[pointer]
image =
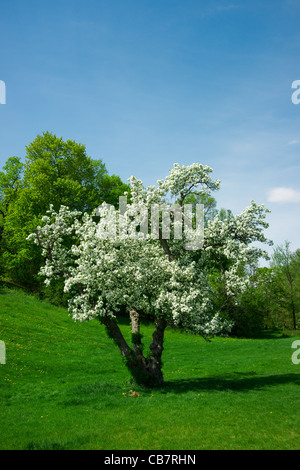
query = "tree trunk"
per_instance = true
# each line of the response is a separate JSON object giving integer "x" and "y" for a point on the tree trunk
{"x": 136, "y": 336}
{"x": 115, "y": 333}
{"x": 144, "y": 371}
{"x": 156, "y": 348}
{"x": 294, "y": 314}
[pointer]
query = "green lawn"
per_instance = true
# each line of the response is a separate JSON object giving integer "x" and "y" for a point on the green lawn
{"x": 64, "y": 386}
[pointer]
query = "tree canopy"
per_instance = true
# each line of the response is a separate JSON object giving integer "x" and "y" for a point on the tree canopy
{"x": 55, "y": 172}
{"x": 111, "y": 263}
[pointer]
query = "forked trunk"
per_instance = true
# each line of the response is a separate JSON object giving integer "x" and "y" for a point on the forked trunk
{"x": 145, "y": 371}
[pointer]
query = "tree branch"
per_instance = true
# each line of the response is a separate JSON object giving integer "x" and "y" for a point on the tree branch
{"x": 116, "y": 334}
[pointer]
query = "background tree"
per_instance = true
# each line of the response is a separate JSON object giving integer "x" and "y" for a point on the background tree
{"x": 10, "y": 183}
{"x": 208, "y": 201}
{"x": 55, "y": 172}
{"x": 286, "y": 266}
{"x": 268, "y": 289}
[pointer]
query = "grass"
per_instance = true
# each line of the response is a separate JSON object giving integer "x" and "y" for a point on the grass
{"x": 64, "y": 386}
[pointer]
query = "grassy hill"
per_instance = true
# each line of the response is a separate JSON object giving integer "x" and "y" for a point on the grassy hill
{"x": 64, "y": 386}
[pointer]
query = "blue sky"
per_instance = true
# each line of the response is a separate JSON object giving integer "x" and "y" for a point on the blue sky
{"x": 146, "y": 83}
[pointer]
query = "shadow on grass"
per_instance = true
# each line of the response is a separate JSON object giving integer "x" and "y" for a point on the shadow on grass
{"x": 236, "y": 382}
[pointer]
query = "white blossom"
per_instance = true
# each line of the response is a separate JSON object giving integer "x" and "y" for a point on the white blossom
{"x": 105, "y": 269}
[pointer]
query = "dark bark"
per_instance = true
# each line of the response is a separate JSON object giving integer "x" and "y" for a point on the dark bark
{"x": 165, "y": 246}
{"x": 156, "y": 348}
{"x": 145, "y": 371}
{"x": 115, "y": 333}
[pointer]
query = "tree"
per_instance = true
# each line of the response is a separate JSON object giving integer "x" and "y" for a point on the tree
{"x": 61, "y": 173}
{"x": 113, "y": 262}
{"x": 10, "y": 183}
{"x": 56, "y": 172}
{"x": 267, "y": 290}
{"x": 287, "y": 267}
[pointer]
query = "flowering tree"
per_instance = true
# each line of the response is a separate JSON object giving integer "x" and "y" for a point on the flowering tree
{"x": 109, "y": 260}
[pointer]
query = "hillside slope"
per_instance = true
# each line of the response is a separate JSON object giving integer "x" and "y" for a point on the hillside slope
{"x": 64, "y": 386}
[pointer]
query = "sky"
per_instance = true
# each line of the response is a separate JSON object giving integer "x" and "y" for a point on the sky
{"x": 144, "y": 84}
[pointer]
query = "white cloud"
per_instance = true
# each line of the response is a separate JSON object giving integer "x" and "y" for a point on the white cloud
{"x": 294, "y": 142}
{"x": 284, "y": 195}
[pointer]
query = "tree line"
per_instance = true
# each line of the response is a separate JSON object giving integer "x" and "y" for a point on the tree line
{"x": 61, "y": 174}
